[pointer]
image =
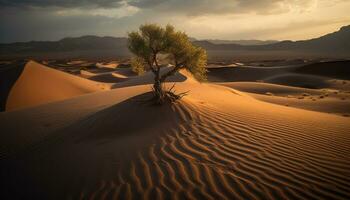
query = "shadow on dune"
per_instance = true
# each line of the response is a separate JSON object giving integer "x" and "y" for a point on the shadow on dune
{"x": 244, "y": 73}
{"x": 107, "y": 78}
{"x": 9, "y": 74}
{"x": 148, "y": 78}
{"x": 122, "y": 130}
{"x": 313, "y": 76}
{"x": 135, "y": 115}
{"x": 333, "y": 69}
{"x": 113, "y": 76}
{"x": 125, "y": 72}
{"x": 299, "y": 80}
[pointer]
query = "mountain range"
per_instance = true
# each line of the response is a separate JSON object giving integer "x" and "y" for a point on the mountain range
{"x": 242, "y": 42}
{"x": 336, "y": 44}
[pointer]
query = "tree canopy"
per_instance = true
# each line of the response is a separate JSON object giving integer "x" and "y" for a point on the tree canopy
{"x": 152, "y": 40}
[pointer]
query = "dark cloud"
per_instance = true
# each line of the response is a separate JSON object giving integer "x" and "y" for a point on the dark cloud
{"x": 61, "y": 3}
{"x": 28, "y": 25}
{"x": 24, "y": 20}
{"x": 206, "y": 7}
{"x": 188, "y": 7}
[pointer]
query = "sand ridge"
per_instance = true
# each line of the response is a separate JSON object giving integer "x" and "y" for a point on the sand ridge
{"x": 312, "y": 86}
{"x": 323, "y": 100}
{"x": 39, "y": 84}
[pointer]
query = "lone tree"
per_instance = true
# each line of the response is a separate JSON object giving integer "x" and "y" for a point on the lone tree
{"x": 152, "y": 42}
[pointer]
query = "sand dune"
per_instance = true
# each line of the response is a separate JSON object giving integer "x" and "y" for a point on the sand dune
{"x": 106, "y": 77}
{"x": 319, "y": 103}
{"x": 299, "y": 75}
{"x": 107, "y": 65}
{"x": 263, "y": 88}
{"x": 328, "y": 101}
{"x": 127, "y": 72}
{"x": 246, "y": 73}
{"x": 339, "y": 84}
{"x": 87, "y": 74}
{"x": 39, "y": 84}
{"x": 119, "y": 75}
{"x": 299, "y": 80}
{"x": 95, "y": 71}
{"x": 306, "y": 86}
{"x": 334, "y": 69}
{"x": 148, "y": 78}
{"x": 217, "y": 144}
{"x": 9, "y": 73}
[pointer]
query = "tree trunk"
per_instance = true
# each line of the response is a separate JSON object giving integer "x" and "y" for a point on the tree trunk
{"x": 158, "y": 89}
{"x": 160, "y": 95}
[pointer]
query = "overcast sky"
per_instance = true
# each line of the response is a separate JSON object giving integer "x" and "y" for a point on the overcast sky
{"x": 25, "y": 20}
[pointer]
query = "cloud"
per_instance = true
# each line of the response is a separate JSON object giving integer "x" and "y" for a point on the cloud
{"x": 192, "y": 7}
{"x": 61, "y": 3}
{"x": 210, "y": 7}
{"x": 123, "y": 10}
{"x": 23, "y": 20}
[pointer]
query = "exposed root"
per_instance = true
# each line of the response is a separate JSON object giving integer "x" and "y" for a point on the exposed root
{"x": 167, "y": 96}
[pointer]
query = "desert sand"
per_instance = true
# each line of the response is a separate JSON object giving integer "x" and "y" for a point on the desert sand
{"x": 229, "y": 140}
{"x": 39, "y": 84}
{"x": 322, "y": 100}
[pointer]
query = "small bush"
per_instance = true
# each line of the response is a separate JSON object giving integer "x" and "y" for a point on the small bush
{"x": 137, "y": 65}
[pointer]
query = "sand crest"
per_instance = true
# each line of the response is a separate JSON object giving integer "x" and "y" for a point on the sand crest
{"x": 39, "y": 84}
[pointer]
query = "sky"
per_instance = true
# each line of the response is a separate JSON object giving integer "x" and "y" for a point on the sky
{"x": 26, "y": 20}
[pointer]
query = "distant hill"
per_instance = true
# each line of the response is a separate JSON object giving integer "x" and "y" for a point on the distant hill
{"x": 335, "y": 44}
{"x": 338, "y": 41}
{"x": 79, "y": 47}
{"x": 67, "y": 44}
{"x": 243, "y": 42}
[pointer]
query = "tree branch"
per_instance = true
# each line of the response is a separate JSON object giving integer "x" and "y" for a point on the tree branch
{"x": 155, "y": 61}
{"x": 171, "y": 72}
{"x": 151, "y": 66}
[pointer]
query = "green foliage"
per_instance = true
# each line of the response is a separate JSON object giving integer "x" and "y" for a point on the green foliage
{"x": 138, "y": 65}
{"x": 137, "y": 45}
{"x": 152, "y": 40}
{"x": 188, "y": 56}
{"x": 149, "y": 41}
{"x": 197, "y": 63}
